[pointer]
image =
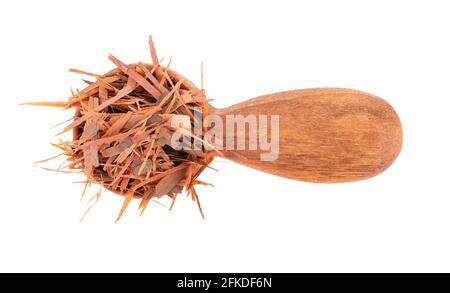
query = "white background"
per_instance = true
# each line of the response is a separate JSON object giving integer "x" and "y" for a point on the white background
{"x": 255, "y": 222}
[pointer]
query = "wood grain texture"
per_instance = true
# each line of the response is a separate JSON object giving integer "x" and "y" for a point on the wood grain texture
{"x": 326, "y": 134}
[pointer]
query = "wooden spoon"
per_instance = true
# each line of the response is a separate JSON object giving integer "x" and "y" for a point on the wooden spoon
{"x": 326, "y": 135}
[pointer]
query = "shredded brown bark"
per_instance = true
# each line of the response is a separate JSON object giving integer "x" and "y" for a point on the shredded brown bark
{"x": 121, "y": 133}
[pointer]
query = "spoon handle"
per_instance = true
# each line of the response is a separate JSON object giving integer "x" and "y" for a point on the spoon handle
{"x": 324, "y": 135}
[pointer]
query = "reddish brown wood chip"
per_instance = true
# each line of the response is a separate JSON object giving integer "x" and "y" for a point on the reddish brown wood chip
{"x": 168, "y": 183}
{"x": 122, "y": 134}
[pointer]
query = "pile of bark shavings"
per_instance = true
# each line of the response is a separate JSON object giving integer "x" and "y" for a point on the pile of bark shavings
{"x": 122, "y": 129}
